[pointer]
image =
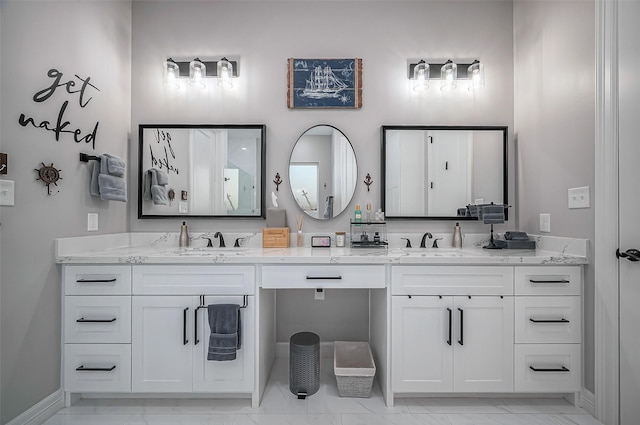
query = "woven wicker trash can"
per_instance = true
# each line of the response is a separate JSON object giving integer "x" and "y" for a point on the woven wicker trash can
{"x": 304, "y": 364}
{"x": 354, "y": 368}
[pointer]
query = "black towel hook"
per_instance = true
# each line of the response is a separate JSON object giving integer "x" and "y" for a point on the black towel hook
{"x": 86, "y": 158}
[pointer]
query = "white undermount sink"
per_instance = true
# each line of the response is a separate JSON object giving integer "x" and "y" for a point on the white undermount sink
{"x": 435, "y": 252}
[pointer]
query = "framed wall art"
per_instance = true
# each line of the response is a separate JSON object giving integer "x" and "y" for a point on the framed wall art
{"x": 324, "y": 83}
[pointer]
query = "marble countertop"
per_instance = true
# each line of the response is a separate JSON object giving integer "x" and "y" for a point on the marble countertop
{"x": 131, "y": 248}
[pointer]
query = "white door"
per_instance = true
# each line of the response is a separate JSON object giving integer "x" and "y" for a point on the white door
{"x": 450, "y": 156}
{"x": 228, "y": 376}
{"x": 161, "y": 343}
{"x": 483, "y": 339}
{"x": 422, "y": 345}
{"x": 629, "y": 234}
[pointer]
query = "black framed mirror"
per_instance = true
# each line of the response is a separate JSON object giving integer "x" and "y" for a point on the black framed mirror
{"x": 434, "y": 172}
{"x": 203, "y": 170}
{"x": 323, "y": 172}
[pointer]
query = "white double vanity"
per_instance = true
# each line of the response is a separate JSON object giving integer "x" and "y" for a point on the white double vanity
{"x": 460, "y": 321}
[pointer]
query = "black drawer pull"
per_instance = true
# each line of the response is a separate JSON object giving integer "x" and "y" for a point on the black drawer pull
{"x": 548, "y": 281}
{"x": 96, "y": 280}
{"x": 83, "y": 320}
{"x": 185, "y": 340}
{"x": 81, "y": 368}
{"x": 548, "y": 320}
{"x": 450, "y": 323}
{"x": 324, "y": 277}
{"x": 542, "y": 369}
{"x": 461, "y": 341}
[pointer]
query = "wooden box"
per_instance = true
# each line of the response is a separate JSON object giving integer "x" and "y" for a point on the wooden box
{"x": 275, "y": 237}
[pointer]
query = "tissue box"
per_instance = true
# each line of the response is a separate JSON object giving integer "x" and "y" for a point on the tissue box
{"x": 275, "y": 237}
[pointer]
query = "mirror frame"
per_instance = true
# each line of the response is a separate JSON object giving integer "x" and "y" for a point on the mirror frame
{"x": 505, "y": 161}
{"x": 263, "y": 168}
{"x": 355, "y": 159}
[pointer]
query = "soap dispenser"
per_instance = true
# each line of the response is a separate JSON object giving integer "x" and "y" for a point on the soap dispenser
{"x": 457, "y": 236}
{"x": 184, "y": 235}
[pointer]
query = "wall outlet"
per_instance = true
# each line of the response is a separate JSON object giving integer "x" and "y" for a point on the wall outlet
{"x": 318, "y": 294}
{"x": 7, "y": 193}
{"x": 545, "y": 222}
{"x": 92, "y": 222}
{"x": 579, "y": 197}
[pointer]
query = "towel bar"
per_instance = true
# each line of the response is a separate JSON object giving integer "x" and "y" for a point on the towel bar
{"x": 86, "y": 158}
{"x": 245, "y": 302}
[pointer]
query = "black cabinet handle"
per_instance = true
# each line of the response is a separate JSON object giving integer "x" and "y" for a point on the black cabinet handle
{"x": 195, "y": 327}
{"x": 548, "y": 281}
{"x": 548, "y": 320}
{"x": 96, "y": 280}
{"x": 541, "y": 369}
{"x": 81, "y": 368}
{"x": 460, "y": 341}
{"x": 83, "y": 320}
{"x": 450, "y": 318}
{"x": 324, "y": 277}
{"x": 185, "y": 340}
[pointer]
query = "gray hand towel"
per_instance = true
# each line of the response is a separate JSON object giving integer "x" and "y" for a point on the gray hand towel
{"x": 112, "y": 188}
{"x": 115, "y": 165}
{"x": 153, "y": 189}
{"x": 226, "y": 336}
{"x": 94, "y": 186}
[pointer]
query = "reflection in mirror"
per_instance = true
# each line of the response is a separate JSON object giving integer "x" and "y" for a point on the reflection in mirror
{"x": 435, "y": 172}
{"x": 201, "y": 171}
{"x": 323, "y": 172}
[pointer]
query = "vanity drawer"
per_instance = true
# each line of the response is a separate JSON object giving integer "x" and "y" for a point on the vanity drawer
{"x": 97, "y": 319}
{"x": 557, "y": 367}
{"x": 193, "y": 280}
{"x": 448, "y": 280}
{"x": 548, "y": 280}
{"x": 324, "y": 276}
{"x": 97, "y": 280}
{"x": 548, "y": 319}
{"x": 97, "y": 367}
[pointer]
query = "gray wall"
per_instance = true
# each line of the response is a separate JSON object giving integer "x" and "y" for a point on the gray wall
{"x": 90, "y": 39}
{"x": 555, "y": 126}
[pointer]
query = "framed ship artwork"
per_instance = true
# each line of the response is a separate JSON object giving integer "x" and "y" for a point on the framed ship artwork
{"x": 324, "y": 83}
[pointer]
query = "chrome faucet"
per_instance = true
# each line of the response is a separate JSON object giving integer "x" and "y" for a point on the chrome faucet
{"x": 219, "y": 235}
{"x": 424, "y": 239}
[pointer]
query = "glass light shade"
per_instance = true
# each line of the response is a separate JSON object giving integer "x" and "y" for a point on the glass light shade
{"x": 449, "y": 75}
{"x": 476, "y": 75}
{"x": 197, "y": 72}
{"x": 421, "y": 76}
{"x": 171, "y": 74}
{"x": 225, "y": 73}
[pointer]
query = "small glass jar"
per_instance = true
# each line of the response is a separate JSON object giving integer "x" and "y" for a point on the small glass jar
{"x": 340, "y": 239}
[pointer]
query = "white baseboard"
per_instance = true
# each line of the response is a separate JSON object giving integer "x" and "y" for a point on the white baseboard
{"x": 41, "y": 411}
{"x": 588, "y": 401}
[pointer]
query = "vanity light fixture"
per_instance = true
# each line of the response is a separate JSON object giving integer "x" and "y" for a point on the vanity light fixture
{"x": 171, "y": 74}
{"x": 225, "y": 73}
{"x": 198, "y": 71}
{"x": 449, "y": 73}
{"x": 449, "y": 76}
{"x": 421, "y": 76}
{"x": 476, "y": 75}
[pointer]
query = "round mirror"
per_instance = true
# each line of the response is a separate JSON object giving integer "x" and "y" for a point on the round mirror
{"x": 323, "y": 172}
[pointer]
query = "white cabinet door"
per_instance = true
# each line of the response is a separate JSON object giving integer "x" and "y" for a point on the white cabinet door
{"x": 161, "y": 343}
{"x": 227, "y": 376}
{"x": 483, "y": 355}
{"x": 422, "y": 345}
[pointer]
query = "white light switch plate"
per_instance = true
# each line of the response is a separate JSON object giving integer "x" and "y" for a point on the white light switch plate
{"x": 579, "y": 197}
{"x": 7, "y": 193}
{"x": 92, "y": 222}
{"x": 545, "y": 222}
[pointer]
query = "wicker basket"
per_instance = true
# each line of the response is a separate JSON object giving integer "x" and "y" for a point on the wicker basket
{"x": 354, "y": 368}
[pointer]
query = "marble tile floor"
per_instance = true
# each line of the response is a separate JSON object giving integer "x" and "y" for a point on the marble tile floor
{"x": 280, "y": 407}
